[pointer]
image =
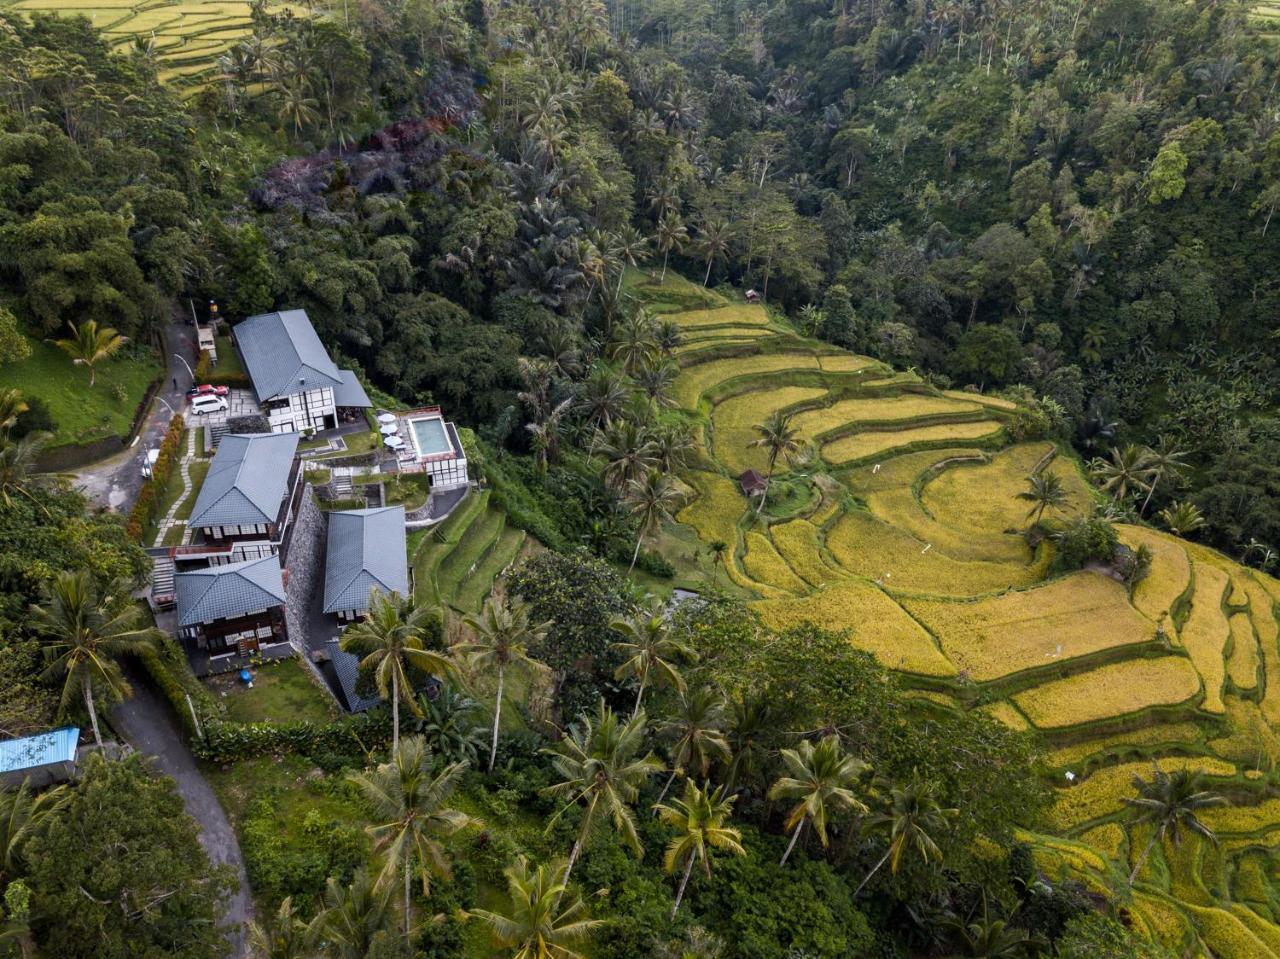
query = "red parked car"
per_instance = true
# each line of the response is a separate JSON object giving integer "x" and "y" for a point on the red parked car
{"x": 206, "y": 389}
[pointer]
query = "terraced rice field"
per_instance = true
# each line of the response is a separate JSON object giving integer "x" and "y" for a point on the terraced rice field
{"x": 456, "y": 563}
{"x": 187, "y": 36}
{"x": 916, "y": 549}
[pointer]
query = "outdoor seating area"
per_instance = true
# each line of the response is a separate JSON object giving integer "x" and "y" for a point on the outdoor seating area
{"x": 424, "y": 442}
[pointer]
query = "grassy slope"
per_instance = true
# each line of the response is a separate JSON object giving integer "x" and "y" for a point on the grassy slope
{"x": 917, "y": 560}
{"x": 82, "y": 415}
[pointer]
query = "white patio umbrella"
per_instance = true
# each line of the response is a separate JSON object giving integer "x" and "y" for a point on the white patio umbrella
{"x": 393, "y": 442}
{"x": 391, "y": 429}
{"x": 386, "y": 418}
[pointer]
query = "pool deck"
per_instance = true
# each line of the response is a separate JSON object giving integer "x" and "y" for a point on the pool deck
{"x": 411, "y": 459}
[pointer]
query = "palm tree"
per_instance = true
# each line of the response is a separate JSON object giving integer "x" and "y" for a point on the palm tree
{"x": 821, "y": 780}
{"x": 602, "y": 398}
{"x": 633, "y": 341}
{"x": 409, "y": 816}
{"x": 1163, "y": 460}
{"x": 649, "y": 647}
{"x": 1169, "y": 802}
{"x": 284, "y": 937}
{"x": 909, "y": 820}
{"x": 19, "y": 463}
{"x": 1182, "y": 518}
{"x": 697, "y": 731}
{"x": 297, "y": 107}
{"x": 994, "y": 938}
{"x": 1044, "y": 491}
{"x": 668, "y": 335}
{"x": 671, "y": 235}
{"x": 630, "y": 247}
{"x": 88, "y": 345}
{"x": 539, "y": 923}
{"x": 650, "y": 502}
{"x": 23, "y": 814}
{"x": 713, "y": 243}
{"x": 389, "y": 640}
{"x": 353, "y": 917}
{"x": 655, "y": 380}
{"x": 810, "y": 317}
{"x": 718, "y": 548}
{"x": 598, "y": 760}
{"x": 84, "y": 633}
{"x": 503, "y": 635}
{"x": 628, "y": 452}
{"x": 778, "y": 438}
{"x": 12, "y": 406}
{"x": 672, "y": 445}
{"x": 699, "y": 820}
{"x": 1126, "y": 473}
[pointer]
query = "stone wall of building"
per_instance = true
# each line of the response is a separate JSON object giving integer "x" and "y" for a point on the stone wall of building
{"x": 306, "y": 567}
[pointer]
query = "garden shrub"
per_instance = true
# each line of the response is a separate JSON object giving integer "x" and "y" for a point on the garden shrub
{"x": 152, "y": 493}
{"x": 296, "y": 862}
{"x": 1084, "y": 540}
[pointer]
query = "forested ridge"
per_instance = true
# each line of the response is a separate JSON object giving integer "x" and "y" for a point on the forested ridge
{"x": 1067, "y": 206}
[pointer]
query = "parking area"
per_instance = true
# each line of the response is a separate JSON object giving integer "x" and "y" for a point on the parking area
{"x": 240, "y": 402}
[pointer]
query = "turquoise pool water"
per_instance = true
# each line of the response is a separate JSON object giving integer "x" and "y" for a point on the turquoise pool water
{"x": 430, "y": 438}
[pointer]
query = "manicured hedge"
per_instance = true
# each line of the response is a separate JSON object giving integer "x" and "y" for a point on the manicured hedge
{"x": 152, "y": 493}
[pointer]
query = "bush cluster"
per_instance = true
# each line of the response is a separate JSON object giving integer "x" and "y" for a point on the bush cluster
{"x": 152, "y": 494}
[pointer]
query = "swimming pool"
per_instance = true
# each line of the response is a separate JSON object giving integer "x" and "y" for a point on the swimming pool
{"x": 430, "y": 437}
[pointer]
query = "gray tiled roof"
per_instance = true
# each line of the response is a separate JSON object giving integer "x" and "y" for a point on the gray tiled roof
{"x": 351, "y": 393}
{"x": 247, "y": 480}
{"x": 366, "y": 550}
{"x": 222, "y": 592}
{"x": 346, "y": 668}
{"x": 283, "y": 354}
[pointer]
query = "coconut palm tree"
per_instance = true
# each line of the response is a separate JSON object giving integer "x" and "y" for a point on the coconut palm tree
{"x": 699, "y": 820}
{"x": 1169, "y": 803}
{"x": 672, "y": 446}
{"x": 84, "y": 633}
{"x": 655, "y": 380}
{"x": 668, "y": 335}
{"x": 88, "y": 345}
{"x": 671, "y": 235}
{"x": 389, "y": 640}
{"x": 23, "y": 814}
{"x": 992, "y": 937}
{"x": 650, "y": 502}
{"x": 283, "y": 937}
{"x": 19, "y": 465}
{"x": 810, "y": 318}
{"x": 630, "y": 248}
{"x": 909, "y": 820}
{"x": 1126, "y": 473}
{"x": 629, "y": 453}
{"x": 502, "y": 637}
{"x": 602, "y": 771}
{"x": 820, "y": 778}
{"x": 1164, "y": 460}
{"x": 407, "y": 799}
{"x": 633, "y": 341}
{"x": 750, "y": 733}
{"x": 602, "y": 399}
{"x": 649, "y": 648}
{"x": 713, "y": 243}
{"x": 539, "y": 922}
{"x": 696, "y": 729}
{"x": 12, "y": 405}
{"x": 717, "y": 548}
{"x": 1182, "y": 518}
{"x": 777, "y": 438}
{"x": 1044, "y": 491}
{"x": 352, "y": 917}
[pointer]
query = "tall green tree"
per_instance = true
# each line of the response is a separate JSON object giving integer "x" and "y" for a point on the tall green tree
{"x": 1125, "y": 474}
{"x": 699, "y": 818}
{"x": 354, "y": 918}
{"x": 1170, "y": 804}
{"x": 389, "y": 640}
{"x": 501, "y": 636}
{"x": 407, "y": 799}
{"x": 695, "y": 728}
{"x": 649, "y": 647}
{"x": 1165, "y": 461}
{"x": 24, "y": 814}
{"x": 601, "y": 771}
{"x": 1044, "y": 491}
{"x": 777, "y": 437}
{"x": 84, "y": 632}
{"x": 539, "y": 922}
{"x": 821, "y": 778}
{"x": 89, "y": 345}
{"x": 650, "y": 501}
{"x": 910, "y": 820}
{"x": 671, "y": 235}
{"x": 283, "y": 936}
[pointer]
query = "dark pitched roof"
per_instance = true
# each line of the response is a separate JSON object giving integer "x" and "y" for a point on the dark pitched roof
{"x": 247, "y": 480}
{"x": 752, "y": 482}
{"x": 351, "y": 393}
{"x": 366, "y": 549}
{"x": 224, "y": 592}
{"x": 346, "y": 668}
{"x": 283, "y": 354}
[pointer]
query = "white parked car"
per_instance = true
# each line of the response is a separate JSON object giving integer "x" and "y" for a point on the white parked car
{"x": 202, "y": 405}
{"x": 149, "y": 462}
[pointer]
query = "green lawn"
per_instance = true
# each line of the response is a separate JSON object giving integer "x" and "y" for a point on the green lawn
{"x": 80, "y": 414}
{"x": 282, "y": 692}
{"x": 228, "y": 356}
{"x": 356, "y": 443}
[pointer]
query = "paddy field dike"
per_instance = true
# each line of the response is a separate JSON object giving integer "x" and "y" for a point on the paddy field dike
{"x": 904, "y": 529}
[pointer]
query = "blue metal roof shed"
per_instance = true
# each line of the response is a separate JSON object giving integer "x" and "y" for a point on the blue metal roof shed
{"x": 44, "y": 757}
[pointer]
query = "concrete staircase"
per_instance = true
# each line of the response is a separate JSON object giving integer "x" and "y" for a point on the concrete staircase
{"x": 162, "y": 571}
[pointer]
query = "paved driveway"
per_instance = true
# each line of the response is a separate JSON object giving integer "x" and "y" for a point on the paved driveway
{"x": 148, "y": 724}
{"x": 115, "y": 482}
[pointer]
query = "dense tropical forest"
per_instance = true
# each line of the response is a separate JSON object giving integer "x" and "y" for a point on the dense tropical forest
{"x": 1067, "y": 204}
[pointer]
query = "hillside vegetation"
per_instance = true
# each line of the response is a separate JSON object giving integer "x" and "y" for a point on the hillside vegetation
{"x": 913, "y": 543}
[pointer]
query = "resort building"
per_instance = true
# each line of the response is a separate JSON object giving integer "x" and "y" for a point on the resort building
{"x": 433, "y": 448}
{"x": 248, "y": 499}
{"x": 40, "y": 760}
{"x": 236, "y": 609}
{"x": 366, "y": 551}
{"x": 297, "y": 384}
